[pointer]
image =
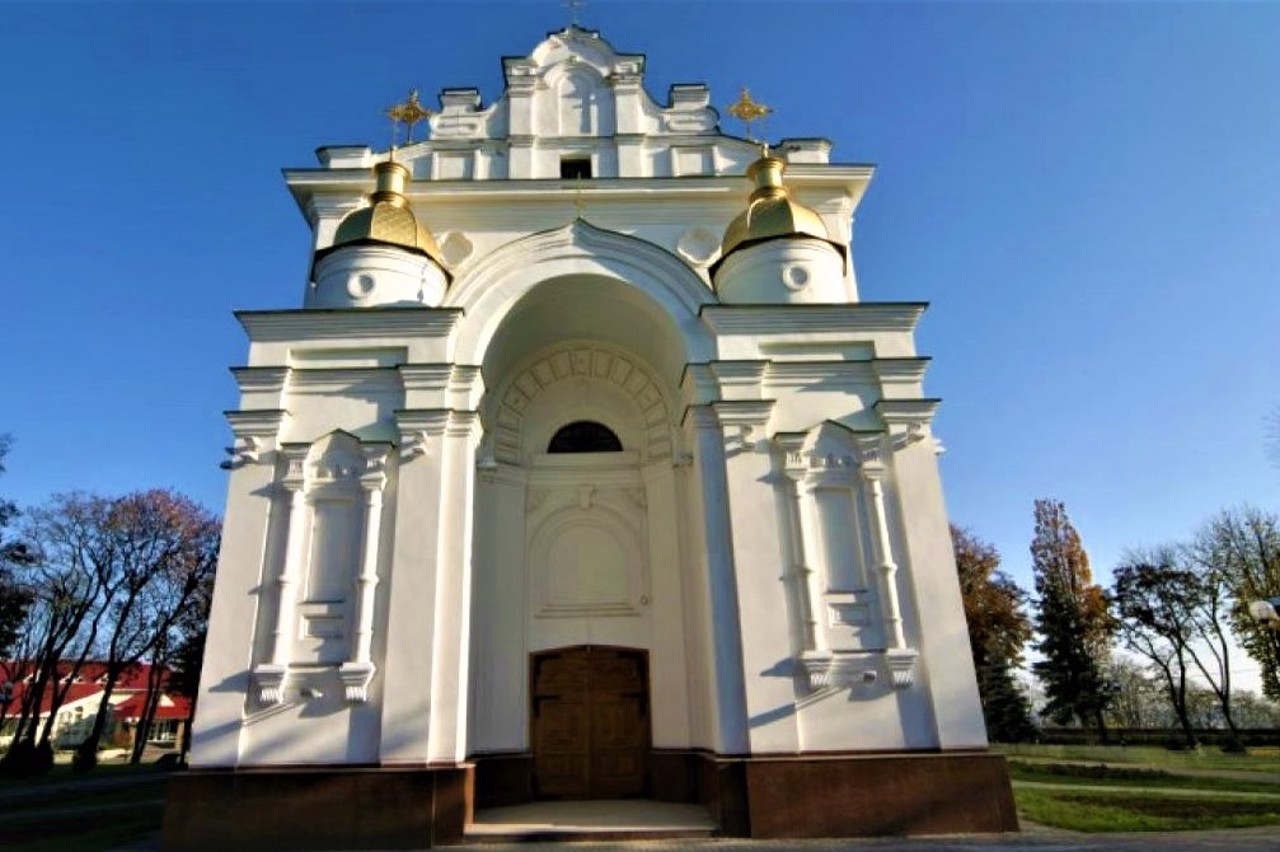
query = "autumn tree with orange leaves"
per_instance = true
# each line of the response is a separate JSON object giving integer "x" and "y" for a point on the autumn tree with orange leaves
{"x": 1073, "y": 621}
{"x": 994, "y": 607}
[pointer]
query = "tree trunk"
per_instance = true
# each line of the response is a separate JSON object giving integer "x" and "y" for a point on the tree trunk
{"x": 154, "y": 685}
{"x": 87, "y": 751}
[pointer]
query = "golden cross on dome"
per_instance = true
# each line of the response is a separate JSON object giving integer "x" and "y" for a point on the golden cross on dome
{"x": 408, "y": 113}
{"x": 573, "y": 6}
{"x": 747, "y": 110}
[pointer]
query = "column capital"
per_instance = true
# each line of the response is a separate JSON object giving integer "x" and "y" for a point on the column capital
{"x": 374, "y": 477}
{"x": 871, "y": 456}
{"x": 295, "y": 474}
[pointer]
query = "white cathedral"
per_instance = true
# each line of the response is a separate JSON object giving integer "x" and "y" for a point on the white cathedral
{"x": 583, "y": 473}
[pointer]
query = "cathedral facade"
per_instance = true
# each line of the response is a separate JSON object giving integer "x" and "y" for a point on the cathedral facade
{"x": 583, "y": 472}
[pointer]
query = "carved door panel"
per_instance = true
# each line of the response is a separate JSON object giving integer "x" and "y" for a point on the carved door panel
{"x": 590, "y": 723}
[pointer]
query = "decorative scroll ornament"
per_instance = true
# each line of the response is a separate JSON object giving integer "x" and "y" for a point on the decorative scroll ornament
{"x": 902, "y": 666}
{"x": 414, "y": 444}
{"x": 270, "y": 680}
{"x": 355, "y": 679}
{"x": 246, "y": 450}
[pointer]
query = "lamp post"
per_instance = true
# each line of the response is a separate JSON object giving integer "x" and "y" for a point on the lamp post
{"x": 1267, "y": 613}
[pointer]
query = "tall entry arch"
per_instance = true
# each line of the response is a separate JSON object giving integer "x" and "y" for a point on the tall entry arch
{"x": 583, "y": 599}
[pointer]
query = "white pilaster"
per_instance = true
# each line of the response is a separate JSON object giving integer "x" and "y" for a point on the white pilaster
{"x": 358, "y": 671}
{"x": 900, "y": 658}
{"x": 450, "y": 648}
{"x": 729, "y": 716}
{"x": 411, "y": 598}
{"x": 228, "y": 653}
{"x": 759, "y": 559}
{"x": 933, "y": 584}
{"x": 271, "y": 676}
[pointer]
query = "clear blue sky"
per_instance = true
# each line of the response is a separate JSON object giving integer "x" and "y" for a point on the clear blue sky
{"x": 1087, "y": 193}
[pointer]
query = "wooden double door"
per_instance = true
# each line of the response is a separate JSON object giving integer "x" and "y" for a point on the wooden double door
{"x": 590, "y": 723}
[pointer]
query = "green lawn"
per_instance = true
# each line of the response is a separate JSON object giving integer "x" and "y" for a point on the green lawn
{"x": 1112, "y": 810}
{"x": 1101, "y": 775}
{"x": 1257, "y": 760}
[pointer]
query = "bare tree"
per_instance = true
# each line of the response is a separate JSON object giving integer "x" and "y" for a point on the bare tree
{"x": 1155, "y": 602}
{"x": 163, "y": 545}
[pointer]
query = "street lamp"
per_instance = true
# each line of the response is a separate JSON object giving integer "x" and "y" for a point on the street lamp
{"x": 1265, "y": 612}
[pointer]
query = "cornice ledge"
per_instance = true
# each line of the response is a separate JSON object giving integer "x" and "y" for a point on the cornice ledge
{"x": 787, "y": 319}
{"x": 264, "y": 422}
{"x": 909, "y": 369}
{"x": 260, "y": 378}
{"x": 747, "y": 414}
{"x": 339, "y": 323}
{"x": 907, "y": 412}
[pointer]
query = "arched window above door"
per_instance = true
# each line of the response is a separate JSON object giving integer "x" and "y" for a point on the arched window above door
{"x": 584, "y": 436}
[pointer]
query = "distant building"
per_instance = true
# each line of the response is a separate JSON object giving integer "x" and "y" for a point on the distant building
{"x": 583, "y": 471}
{"x": 84, "y": 691}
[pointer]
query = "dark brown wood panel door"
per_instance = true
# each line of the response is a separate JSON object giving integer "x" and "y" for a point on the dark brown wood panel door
{"x": 590, "y": 723}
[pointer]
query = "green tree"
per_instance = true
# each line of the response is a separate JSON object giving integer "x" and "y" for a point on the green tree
{"x": 14, "y": 553}
{"x": 998, "y": 630}
{"x": 1073, "y": 622}
{"x": 1242, "y": 547}
{"x": 1156, "y": 603}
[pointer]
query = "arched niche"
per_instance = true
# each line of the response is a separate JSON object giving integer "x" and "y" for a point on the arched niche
{"x": 580, "y": 281}
{"x": 580, "y": 381}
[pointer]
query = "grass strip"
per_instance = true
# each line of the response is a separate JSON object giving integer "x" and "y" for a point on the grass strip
{"x": 1257, "y": 760}
{"x": 1111, "y": 776}
{"x": 1110, "y": 811}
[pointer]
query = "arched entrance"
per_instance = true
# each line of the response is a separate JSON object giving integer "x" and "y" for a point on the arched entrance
{"x": 589, "y": 715}
{"x": 581, "y": 573}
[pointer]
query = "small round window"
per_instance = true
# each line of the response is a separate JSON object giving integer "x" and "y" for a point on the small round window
{"x": 584, "y": 436}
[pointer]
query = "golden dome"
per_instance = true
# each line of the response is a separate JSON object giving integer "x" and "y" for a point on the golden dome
{"x": 388, "y": 218}
{"x": 770, "y": 211}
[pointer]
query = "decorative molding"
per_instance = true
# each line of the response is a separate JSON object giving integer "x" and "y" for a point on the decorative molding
{"x": 582, "y": 361}
{"x": 902, "y": 666}
{"x": 417, "y": 426}
{"x": 340, "y": 380}
{"x": 772, "y": 320}
{"x": 838, "y": 671}
{"x": 348, "y": 323}
{"x": 356, "y": 678}
{"x": 904, "y": 412}
{"x": 263, "y": 423}
{"x": 374, "y": 476}
{"x": 246, "y": 450}
{"x": 269, "y": 681}
{"x": 260, "y": 379}
{"x": 871, "y": 455}
{"x": 295, "y": 474}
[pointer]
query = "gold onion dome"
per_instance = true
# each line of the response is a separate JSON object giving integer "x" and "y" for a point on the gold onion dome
{"x": 771, "y": 212}
{"x": 388, "y": 219}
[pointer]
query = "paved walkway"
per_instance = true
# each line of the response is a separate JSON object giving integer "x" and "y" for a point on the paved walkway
{"x": 1031, "y": 840}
